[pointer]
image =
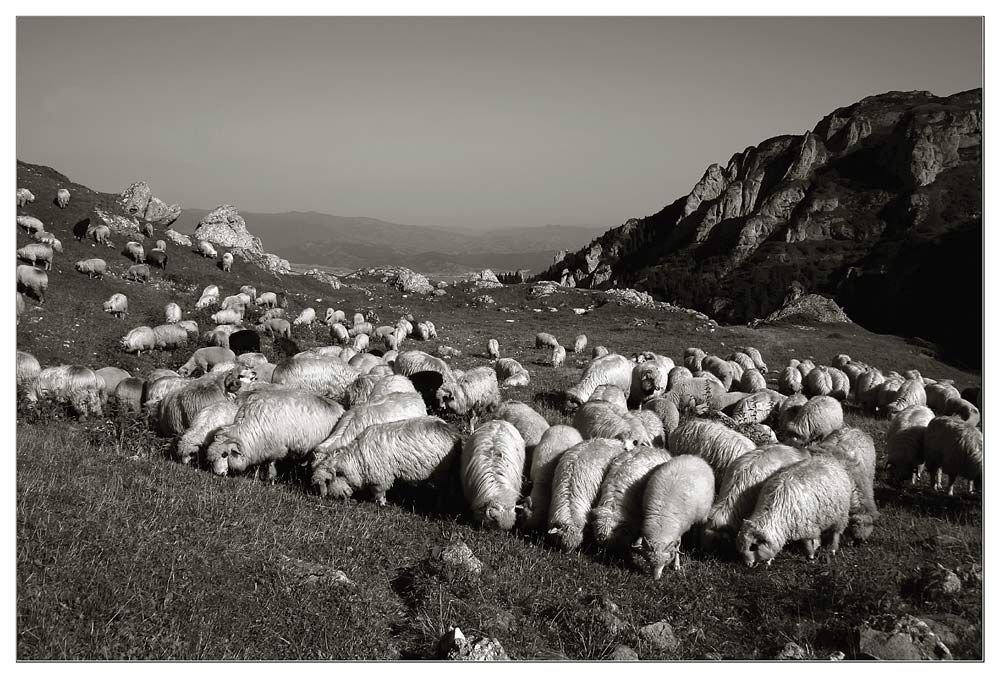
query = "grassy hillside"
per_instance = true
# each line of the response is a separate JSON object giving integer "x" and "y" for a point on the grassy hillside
{"x": 123, "y": 554}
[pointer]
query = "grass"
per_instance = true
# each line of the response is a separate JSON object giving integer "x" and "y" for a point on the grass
{"x": 123, "y": 554}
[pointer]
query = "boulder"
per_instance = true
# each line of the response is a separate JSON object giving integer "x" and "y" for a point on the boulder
{"x": 623, "y": 653}
{"x": 119, "y": 224}
{"x": 160, "y": 213}
{"x": 906, "y": 638}
{"x": 455, "y": 646}
{"x": 138, "y": 200}
{"x": 454, "y": 561}
{"x": 660, "y": 635}
{"x": 225, "y": 227}
{"x": 403, "y": 279}
{"x": 324, "y": 277}
{"x": 809, "y": 308}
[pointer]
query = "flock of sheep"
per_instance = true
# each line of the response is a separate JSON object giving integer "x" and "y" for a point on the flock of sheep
{"x": 654, "y": 450}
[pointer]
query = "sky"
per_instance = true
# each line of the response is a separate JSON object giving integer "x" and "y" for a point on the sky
{"x": 473, "y": 123}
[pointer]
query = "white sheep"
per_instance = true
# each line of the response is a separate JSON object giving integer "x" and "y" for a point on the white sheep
{"x": 77, "y": 386}
{"x": 888, "y": 391}
{"x": 580, "y": 343}
{"x": 339, "y": 334}
{"x": 955, "y": 448}
{"x": 545, "y": 340}
{"x": 220, "y": 335}
{"x": 326, "y": 376}
{"x": 529, "y": 423}
{"x": 138, "y": 339}
{"x": 601, "y": 419}
{"x": 610, "y": 393}
{"x": 939, "y": 394}
{"x": 267, "y": 300}
{"x": 723, "y": 370}
{"x": 236, "y": 302}
{"x": 910, "y": 393}
{"x": 27, "y": 371}
{"x": 360, "y": 342}
{"x": 178, "y": 408}
{"x": 389, "y": 408}
{"x": 227, "y": 262}
{"x": 558, "y": 356}
{"x": 554, "y": 441}
{"x": 678, "y": 496}
{"x": 62, "y": 198}
{"x": 666, "y": 411}
{"x": 904, "y": 443}
{"x": 755, "y": 356}
{"x": 169, "y": 337}
{"x": 409, "y": 363}
{"x": 277, "y": 425}
{"x": 24, "y": 196}
{"x": 867, "y": 388}
{"x": 138, "y": 273}
{"x": 30, "y": 224}
{"x": 100, "y": 234}
{"x": 714, "y": 442}
{"x": 227, "y": 317}
{"x": 205, "y": 249}
{"x": 804, "y": 501}
{"x": 32, "y": 280}
{"x": 361, "y": 328}
{"x": 576, "y": 483}
{"x": 790, "y": 381}
{"x": 741, "y": 487}
{"x": 963, "y": 409}
{"x": 693, "y": 358}
{"x": 817, "y": 418}
{"x": 94, "y": 268}
{"x": 599, "y": 352}
{"x": 676, "y": 375}
{"x": 491, "y": 471}
{"x": 855, "y": 449}
{"x": 365, "y": 362}
{"x": 743, "y": 360}
{"x": 370, "y": 386}
{"x": 752, "y": 381}
{"x": 172, "y": 313}
{"x": 511, "y": 373}
{"x": 475, "y": 393}
{"x": 128, "y": 395}
{"x": 307, "y": 317}
{"x": 207, "y": 422}
{"x": 610, "y": 369}
{"x": 805, "y": 367}
{"x": 110, "y": 378}
{"x": 205, "y": 359}
{"x": 209, "y": 296}
{"x": 413, "y": 450}
{"x": 759, "y": 407}
{"x": 817, "y": 382}
{"x": 36, "y": 252}
{"x": 617, "y": 514}
{"x": 135, "y": 252}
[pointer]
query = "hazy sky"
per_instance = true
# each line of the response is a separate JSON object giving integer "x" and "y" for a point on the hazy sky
{"x": 476, "y": 122}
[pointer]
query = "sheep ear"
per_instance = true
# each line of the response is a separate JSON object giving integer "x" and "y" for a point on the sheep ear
{"x": 637, "y": 544}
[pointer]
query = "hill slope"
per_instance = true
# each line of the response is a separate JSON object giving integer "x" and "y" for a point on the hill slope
{"x": 879, "y": 206}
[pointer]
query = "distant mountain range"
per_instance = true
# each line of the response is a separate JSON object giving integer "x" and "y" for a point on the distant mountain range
{"x": 341, "y": 243}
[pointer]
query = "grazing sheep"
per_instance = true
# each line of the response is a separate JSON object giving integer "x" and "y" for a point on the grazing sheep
{"x": 649, "y": 380}
{"x": 267, "y": 300}
{"x": 110, "y": 378}
{"x": 205, "y": 249}
{"x": 721, "y": 369}
{"x": 134, "y": 251}
{"x": 553, "y": 442}
{"x": 558, "y": 356}
{"x": 172, "y": 312}
{"x": 491, "y": 469}
{"x": 790, "y": 381}
{"x": 27, "y": 371}
{"x": 204, "y": 359}
{"x": 817, "y": 382}
{"x": 743, "y": 360}
{"x": 138, "y": 339}
{"x": 209, "y": 296}
{"x": 227, "y": 262}
{"x": 128, "y": 395}
{"x": 360, "y": 343}
{"x": 741, "y": 487}
{"x": 276, "y": 425}
{"x": 714, "y": 442}
{"x": 648, "y": 427}
{"x": 62, "y": 198}
{"x": 617, "y": 514}
{"x": 94, "y": 268}
{"x": 475, "y": 393}
{"x": 580, "y": 343}
{"x": 610, "y": 369}
{"x": 36, "y": 252}
{"x": 699, "y": 393}
{"x": 666, "y": 411}
{"x": 576, "y": 483}
{"x": 138, "y": 273}
{"x": 361, "y": 328}
{"x": 327, "y": 376}
{"x": 904, "y": 443}
{"x": 368, "y": 387}
{"x": 339, "y": 334}
{"x": 910, "y": 393}
{"x": 412, "y": 450}
{"x": 817, "y": 418}
{"x": 805, "y": 367}
{"x": 409, "y": 363}
{"x": 206, "y": 423}
{"x": 220, "y": 335}
{"x": 158, "y": 258}
{"x": 236, "y": 302}
{"x": 611, "y": 394}
{"x": 755, "y": 356}
{"x": 251, "y": 360}
{"x": 389, "y": 408}
{"x": 493, "y": 349}
{"x": 30, "y": 224}
{"x": 752, "y": 381}
{"x": 100, "y": 233}
{"x": 955, "y": 448}
{"x": 33, "y": 281}
{"x": 169, "y": 337}
{"x": 600, "y": 419}
{"x": 804, "y": 501}
{"x": 677, "y": 375}
{"x": 888, "y": 391}
{"x": 964, "y": 410}
{"x": 759, "y": 407}
{"x": 693, "y": 358}
{"x": 544, "y": 339}
{"x": 307, "y": 317}
{"x": 77, "y": 386}
{"x": 511, "y": 373}
{"x": 678, "y": 495}
{"x": 939, "y": 394}
{"x": 364, "y": 362}
{"x": 529, "y": 423}
{"x": 227, "y": 317}
{"x": 421, "y": 332}
{"x": 855, "y": 449}
{"x": 24, "y": 196}
{"x": 178, "y": 408}
{"x": 866, "y": 390}
{"x": 599, "y": 352}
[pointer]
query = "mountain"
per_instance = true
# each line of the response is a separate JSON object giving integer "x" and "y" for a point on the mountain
{"x": 349, "y": 243}
{"x": 878, "y": 207}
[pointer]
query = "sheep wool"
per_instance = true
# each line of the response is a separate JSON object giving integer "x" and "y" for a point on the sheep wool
{"x": 307, "y": 317}
{"x": 755, "y": 356}
{"x": 554, "y": 441}
{"x": 365, "y": 362}
{"x": 117, "y": 305}
{"x": 204, "y": 359}
{"x": 599, "y": 352}
{"x": 493, "y": 349}
{"x": 611, "y": 394}
{"x": 817, "y": 382}
{"x": 817, "y": 418}
{"x": 601, "y": 419}
{"x": 412, "y": 451}
{"x": 790, "y": 381}
{"x": 617, "y": 515}
{"x": 32, "y": 280}
{"x": 26, "y": 371}
{"x": 169, "y": 337}
{"x": 666, "y": 411}
{"x": 128, "y": 395}
{"x": 205, "y": 425}
{"x": 475, "y": 392}
{"x": 677, "y": 375}
{"x": 610, "y": 369}
{"x": 326, "y": 376}
{"x": 172, "y": 313}
{"x": 855, "y": 449}
{"x": 678, "y": 495}
{"x": 752, "y": 381}
{"x": 963, "y": 409}
{"x": 953, "y": 448}
{"x": 649, "y": 380}
{"x": 389, "y": 408}
{"x": 139, "y": 339}
{"x": 110, "y": 378}
{"x": 721, "y": 369}
{"x": 178, "y": 409}
{"x": 939, "y": 394}
{"x": 804, "y": 501}
{"x": 576, "y": 483}
{"x": 558, "y": 356}
{"x": 409, "y": 363}
{"x": 911, "y": 392}
{"x": 904, "y": 444}
{"x": 544, "y": 339}
{"x": 743, "y": 360}
{"x": 866, "y": 391}
{"x": 529, "y": 423}
{"x": 714, "y": 442}
{"x": 491, "y": 470}
{"x": 580, "y": 343}
{"x": 36, "y": 252}
{"x": 77, "y": 386}
{"x": 693, "y": 358}
{"x": 759, "y": 407}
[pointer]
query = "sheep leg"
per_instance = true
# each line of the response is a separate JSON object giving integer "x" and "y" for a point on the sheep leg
{"x": 835, "y": 543}
{"x": 951, "y": 485}
{"x": 272, "y": 472}
{"x": 811, "y": 545}
{"x": 677, "y": 560}
{"x": 938, "y": 476}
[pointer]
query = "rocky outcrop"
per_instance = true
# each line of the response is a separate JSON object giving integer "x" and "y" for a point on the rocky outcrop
{"x": 485, "y": 279}
{"x": 907, "y": 638}
{"x": 119, "y": 224}
{"x": 138, "y": 200}
{"x": 808, "y": 308}
{"x": 225, "y": 227}
{"x": 403, "y": 279}
{"x": 324, "y": 277}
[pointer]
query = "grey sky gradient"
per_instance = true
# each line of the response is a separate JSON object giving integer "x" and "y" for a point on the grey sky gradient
{"x": 462, "y": 122}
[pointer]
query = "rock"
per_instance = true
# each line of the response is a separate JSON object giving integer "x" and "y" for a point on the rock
{"x": 559, "y": 257}
{"x": 138, "y": 200}
{"x": 591, "y": 258}
{"x": 623, "y": 653}
{"x": 794, "y": 651}
{"x": 660, "y": 635}
{"x": 264, "y": 260}
{"x": 178, "y": 238}
{"x": 455, "y": 646}
{"x": 486, "y": 275}
{"x": 403, "y": 279}
{"x": 971, "y": 574}
{"x": 542, "y": 288}
{"x": 454, "y": 561}
{"x": 711, "y": 185}
{"x": 324, "y": 277}
{"x": 119, "y": 224}
{"x": 225, "y": 227}
{"x": 160, "y": 213}
{"x": 906, "y": 638}
{"x": 809, "y": 308}
{"x": 567, "y": 279}
{"x": 836, "y": 656}
{"x": 605, "y": 612}
{"x": 950, "y": 628}
{"x": 484, "y": 300}
{"x": 313, "y": 574}
{"x": 937, "y": 581}
{"x": 439, "y": 293}
{"x": 441, "y": 285}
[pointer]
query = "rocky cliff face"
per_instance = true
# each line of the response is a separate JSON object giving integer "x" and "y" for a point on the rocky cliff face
{"x": 138, "y": 201}
{"x": 877, "y": 200}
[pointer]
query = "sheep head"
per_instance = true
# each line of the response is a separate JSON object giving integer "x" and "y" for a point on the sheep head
{"x": 653, "y": 555}
{"x": 225, "y": 455}
{"x": 755, "y": 546}
{"x": 496, "y": 515}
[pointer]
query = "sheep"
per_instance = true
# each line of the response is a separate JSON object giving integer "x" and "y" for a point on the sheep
{"x": 358, "y": 319}
{"x": 741, "y": 487}
{"x": 227, "y": 262}
{"x": 24, "y": 196}
{"x": 204, "y": 359}
{"x": 600, "y": 419}
{"x": 491, "y": 469}
{"x": 649, "y": 380}
{"x": 409, "y": 363}
{"x": 205, "y": 249}
{"x": 617, "y": 514}
{"x": 693, "y": 358}
{"x": 172, "y": 313}
{"x": 904, "y": 444}
{"x": 327, "y": 376}
{"x": 267, "y": 300}
{"x": 576, "y": 483}
{"x": 138, "y": 339}
{"x": 866, "y": 389}
{"x": 30, "y": 224}
{"x": 817, "y": 382}
{"x": 755, "y": 356}
{"x": 36, "y": 252}
{"x": 580, "y": 343}
{"x": 227, "y": 317}
{"x": 963, "y": 409}
{"x": 529, "y": 423}
{"x": 511, "y": 373}
{"x": 206, "y": 423}
{"x": 307, "y": 317}
{"x": 888, "y": 391}
{"x": 177, "y": 409}
{"x": 939, "y": 394}
{"x": 360, "y": 343}
{"x": 841, "y": 360}
{"x": 610, "y": 394}
{"x": 818, "y": 417}
{"x": 412, "y": 450}
{"x": 48, "y": 239}
{"x": 805, "y": 367}
{"x": 94, "y": 268}
{"x": 100, "y": 233}
{"x": 910, "y": 393}
{"x": 759, "y": 407}
{"x": 236, "y": 302}
{"x": 789, "y": 381}
{"x": 27, "y": 371}
{"x": 698, "y": 392}
{"x": 475, "y": 393}
{"x": 138, "y": 273}
{"x": 721, "y": 369}
{"x": 128, "y": 395}
{"x": 493, "y": 349}
{"x": 267, "y": 429}
{"x": 110, "y": 378}
{"x": 333, "y": 316}
{"x": 365, "y": 362}
{"x": 220, "y": 335}
{"x": 20, "y": 306}
{"x": 973, "y": 394}
{"x": 545, "y": 340}
{"x": 553, "y": 442}
{"x": 421, "y": 332}
{"x": 169, "y": 337}
{"x": 743, "y": 360}
{"x": 599, "y": 352}
{"x": 678, "y": 495}
{"x": 394, "y": 339}
{"x": 31, "y": 280}
{"x": 134, "y": 251}
{"x": 77, "y": 386}
{"x": 158, "y": 258}
{"x": 752, "y": 381}
{"x": 955, "y": 448}
{"x": 558, "y": 356}
{"x": 209, "y": 296}
{"x": 361, "y": 328}
{"x": 251, "y": 360}
{"x": 339, "y": 334}
{"x": 368, "y": 387}
{"x": 676, "y": 375}
{"x": 666, "y": 411}
{"x": 610, "y": 369}
{"x": 389, "y": 408}
{"x": 648, "y": 428}
{"x": 714, "y": 442}
{"x": 855, "y": 449}
{"x": 62, "y": 198}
